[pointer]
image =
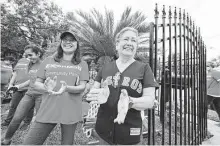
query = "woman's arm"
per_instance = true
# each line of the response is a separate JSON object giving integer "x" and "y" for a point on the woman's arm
{"x": 24, "y": 84}
{"x": 146, "y": 101}
{"x": 12, "y": 81}
{"x": 39, "y": 85}
{"x": 77, "y": 89}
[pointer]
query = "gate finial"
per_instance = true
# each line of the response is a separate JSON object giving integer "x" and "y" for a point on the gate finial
{"x": 184, "y": 15}
{"x": 187, "y": 17}
{"x": 190, "y": 21}
{"x": 170, "y": 12}
{"x": 175, "y": 13}
{"x": 164, "y": 12}
{"x": 156, "y": 12}
{"x": 180, "y": 15}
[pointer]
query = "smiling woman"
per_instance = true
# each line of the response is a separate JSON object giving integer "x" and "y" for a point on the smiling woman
{"x": 25, "y": 77}
{"x": 130, "y": 89}
{"x": 126, "y": 42}
{"x": 61, "y": 78}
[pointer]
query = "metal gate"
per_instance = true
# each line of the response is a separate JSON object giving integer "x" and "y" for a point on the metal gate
{"x": 178, "y": 60}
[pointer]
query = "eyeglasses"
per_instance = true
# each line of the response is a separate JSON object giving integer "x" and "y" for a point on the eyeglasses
{"x": 68, "y": 41}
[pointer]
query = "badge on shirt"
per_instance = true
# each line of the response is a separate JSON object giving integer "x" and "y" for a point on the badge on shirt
{"x": 135, "y": 131}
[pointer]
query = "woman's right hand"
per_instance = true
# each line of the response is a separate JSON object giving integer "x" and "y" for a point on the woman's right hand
{"x": 99, "y": 96}
{"x": 50, "y": 84}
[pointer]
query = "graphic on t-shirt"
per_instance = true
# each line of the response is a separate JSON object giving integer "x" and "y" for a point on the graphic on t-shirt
{"x": 135, "y": 84}
{"x": 64, "y": 66}
{"x": 68, "y": 73}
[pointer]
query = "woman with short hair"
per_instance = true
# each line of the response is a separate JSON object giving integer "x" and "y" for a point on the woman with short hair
{"x": 130, "y": 89}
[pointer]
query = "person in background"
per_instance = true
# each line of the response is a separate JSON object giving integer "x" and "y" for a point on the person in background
{"x": 62, "y": 78}
{"x": 130, "y": 88}
{"x": 213, "y": 89}
{"x": 20, "y": 75}
{"x": 6, "y": 71}
{"x": 32, "y": 98}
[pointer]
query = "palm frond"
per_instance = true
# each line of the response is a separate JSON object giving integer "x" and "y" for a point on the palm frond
{"x": 109, "y": 21}
{"x": 96, "y": 31}
{"x": 88, "y": 19}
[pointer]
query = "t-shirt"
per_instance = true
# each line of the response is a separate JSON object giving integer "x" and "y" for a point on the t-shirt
{"x": 134, "y": 78}
{"x": 32, "y": 76}
{"x": 213, "y": 86}
{"x": 67, "y": 107}
{"x": 6, "y": 73}
{"x": 21, "y": 69}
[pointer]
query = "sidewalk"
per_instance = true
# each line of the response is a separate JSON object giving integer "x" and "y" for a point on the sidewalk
{"x": 213, "y": 128}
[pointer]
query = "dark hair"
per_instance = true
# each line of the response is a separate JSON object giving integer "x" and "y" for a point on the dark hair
{"x": 76, "y": 57}
{"x": 10, "y": 58}
{"x": 35, "y": 49}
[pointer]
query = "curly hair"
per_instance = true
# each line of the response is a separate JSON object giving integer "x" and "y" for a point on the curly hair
{"x": 35, "y": 49}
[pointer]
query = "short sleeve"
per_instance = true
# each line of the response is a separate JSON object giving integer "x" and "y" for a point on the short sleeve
{"x": 84, "y": 76}
{"x": 18, "y": 64}
{"x": 42, "y": 69}
{"x": 99, "y": 76}
{"x": 149, "y": 80}
{"x": 215, "y": 74}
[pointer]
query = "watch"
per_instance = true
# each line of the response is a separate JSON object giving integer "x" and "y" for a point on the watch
{"x": 130, "y": 104}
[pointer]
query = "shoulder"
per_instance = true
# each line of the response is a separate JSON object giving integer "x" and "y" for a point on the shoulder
{"x": 109, "y": 66}
{"x": 23, "y": 60}
{"x": 83, "y": 62}
{"x": 216, "y": 69}
{"x": 140, "y": 65}
{"x": 48, "y": 59}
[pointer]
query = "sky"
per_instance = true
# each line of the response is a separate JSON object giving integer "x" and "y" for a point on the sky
{"x": 203, "y": 12}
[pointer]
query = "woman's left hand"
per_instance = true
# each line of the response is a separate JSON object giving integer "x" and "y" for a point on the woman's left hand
{"x": 62, "y": 89}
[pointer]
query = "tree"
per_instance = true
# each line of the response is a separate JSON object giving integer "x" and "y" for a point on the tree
{"x": 29, "y": 21}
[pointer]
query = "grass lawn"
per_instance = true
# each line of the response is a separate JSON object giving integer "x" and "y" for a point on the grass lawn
{"x": 80, "y": 138}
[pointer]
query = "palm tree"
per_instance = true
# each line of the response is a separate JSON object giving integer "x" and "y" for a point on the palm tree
{"x": 97, "y": 31}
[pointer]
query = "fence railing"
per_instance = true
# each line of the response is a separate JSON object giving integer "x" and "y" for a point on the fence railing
{"x": 181, "y": 72}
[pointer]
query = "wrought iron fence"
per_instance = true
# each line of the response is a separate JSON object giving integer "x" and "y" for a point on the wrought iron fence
{"x": 180, "y": 69}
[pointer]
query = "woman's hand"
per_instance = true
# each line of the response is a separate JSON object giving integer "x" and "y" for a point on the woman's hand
{"x": 99, "y": 96}
{"x": 62, "y": 89}
{"x": 50, "y": 84}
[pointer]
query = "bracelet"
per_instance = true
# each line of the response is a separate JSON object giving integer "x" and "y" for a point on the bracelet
{"x": 130, "y": 103}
